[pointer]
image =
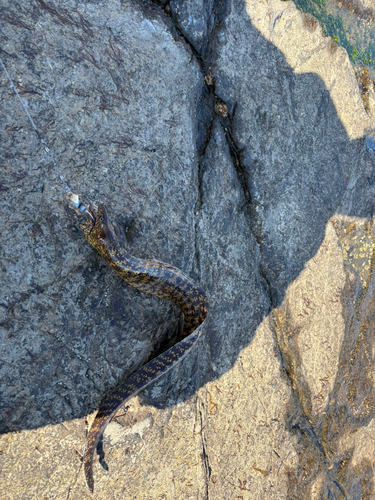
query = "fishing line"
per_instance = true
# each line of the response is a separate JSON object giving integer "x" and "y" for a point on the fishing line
{"x": 73, "y": 198}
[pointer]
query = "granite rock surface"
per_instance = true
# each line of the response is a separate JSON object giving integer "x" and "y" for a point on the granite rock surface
{"x": 228, "y": 139}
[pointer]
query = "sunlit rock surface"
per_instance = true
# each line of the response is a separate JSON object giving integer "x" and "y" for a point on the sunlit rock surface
{"x": 228, "y": 141}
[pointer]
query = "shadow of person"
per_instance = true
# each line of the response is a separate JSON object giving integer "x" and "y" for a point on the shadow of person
{"x": 271, "y": 174}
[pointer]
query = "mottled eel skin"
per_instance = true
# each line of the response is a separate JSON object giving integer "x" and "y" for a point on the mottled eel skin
{"x": 150, "y": 276}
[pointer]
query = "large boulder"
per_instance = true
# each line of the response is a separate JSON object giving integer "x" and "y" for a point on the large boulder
{"x": 227, "y": 140}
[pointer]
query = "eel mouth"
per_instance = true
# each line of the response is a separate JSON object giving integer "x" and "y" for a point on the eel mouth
{"x": 97, "y": 226}
{"x": 92, "y": 214}
{"x": 91, "y": 219}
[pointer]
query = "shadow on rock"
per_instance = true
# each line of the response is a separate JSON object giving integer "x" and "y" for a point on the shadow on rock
{"x": 244, "y": 220}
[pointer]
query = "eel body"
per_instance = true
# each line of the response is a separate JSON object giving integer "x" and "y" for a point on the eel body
{"x": 150, "y": 276}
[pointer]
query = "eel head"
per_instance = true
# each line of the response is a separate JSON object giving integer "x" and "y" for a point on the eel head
{"x": 98, "y": 229}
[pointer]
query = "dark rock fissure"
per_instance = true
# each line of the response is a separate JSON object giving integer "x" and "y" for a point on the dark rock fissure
{"x": 205, "y": 457}
{"x": 219, "y": 108}
{"x": 301, "y": 424}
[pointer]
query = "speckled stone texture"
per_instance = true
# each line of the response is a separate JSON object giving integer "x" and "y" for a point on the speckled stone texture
{"x": 363, "y": 8}
{"x": 226, "y": 138}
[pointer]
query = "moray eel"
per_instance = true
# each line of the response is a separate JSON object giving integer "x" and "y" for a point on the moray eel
{"x": 150, "y": 276}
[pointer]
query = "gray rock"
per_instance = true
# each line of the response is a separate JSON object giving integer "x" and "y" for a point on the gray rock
{"x": 195, "y": 20}
{"x": 93, "y": 86}
{"x": 363, "y": 8}
{"x": 226, "y": 139}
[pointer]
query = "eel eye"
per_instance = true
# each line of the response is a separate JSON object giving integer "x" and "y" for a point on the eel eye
{"x": 101, "y": 219}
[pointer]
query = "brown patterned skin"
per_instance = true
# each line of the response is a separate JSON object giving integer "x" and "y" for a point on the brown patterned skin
{"x": 150, "y": 276}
